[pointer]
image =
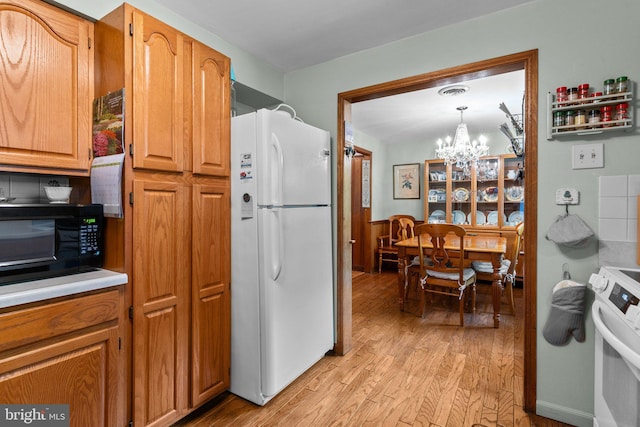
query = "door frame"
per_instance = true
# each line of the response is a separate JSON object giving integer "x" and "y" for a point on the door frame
{"x": 527, "y": 61}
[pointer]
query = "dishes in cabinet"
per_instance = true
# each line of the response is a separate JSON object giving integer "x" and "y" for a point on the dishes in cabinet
{"x": 436, "y": 217}
{"x": 514, "y": 193}
{"x": 437, "y": 195}
{"x": 516, "y": 217}
{"x": 460, "y": 194}
{"x": 492, "y": 218}
{"x": 481, "y": 218}
{"x": 459, "y": 217}
{"x": 438, "y": 176}
{"x": 490, "y": 194}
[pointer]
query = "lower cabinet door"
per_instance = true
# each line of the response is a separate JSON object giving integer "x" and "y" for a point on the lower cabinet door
{"x": 80, "y": 372}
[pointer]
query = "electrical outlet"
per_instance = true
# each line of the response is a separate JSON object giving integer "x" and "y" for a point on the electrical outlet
{"x": 587, "y": 156}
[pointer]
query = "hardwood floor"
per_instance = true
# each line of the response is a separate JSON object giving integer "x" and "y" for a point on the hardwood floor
{"x": 402, "y": 371}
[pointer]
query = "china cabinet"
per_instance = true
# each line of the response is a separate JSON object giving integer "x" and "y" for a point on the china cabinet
{"x": 46, "y": 88}
{"x": 488, "y": 195}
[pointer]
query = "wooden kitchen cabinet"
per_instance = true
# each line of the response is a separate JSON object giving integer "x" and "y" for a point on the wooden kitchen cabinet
{"x": 176, "y": 233}
{"x": 64, "y": 352}
{"x": 46, "y": 88}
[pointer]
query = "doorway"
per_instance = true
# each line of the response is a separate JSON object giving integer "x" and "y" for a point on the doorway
{"x": 361, "y": 210}
{"x": 527, "y": 61}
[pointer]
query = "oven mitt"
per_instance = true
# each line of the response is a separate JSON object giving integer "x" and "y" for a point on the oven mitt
{"x": 566, "y": 317}
{"x": 570, "y": 230}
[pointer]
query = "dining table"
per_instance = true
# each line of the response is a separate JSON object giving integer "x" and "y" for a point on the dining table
{"x": 477, "y": 247}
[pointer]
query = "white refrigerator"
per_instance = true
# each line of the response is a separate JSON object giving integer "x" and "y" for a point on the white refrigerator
{"x": 281, "y": 253}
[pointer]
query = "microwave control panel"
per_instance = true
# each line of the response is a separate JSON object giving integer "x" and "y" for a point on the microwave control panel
{"x": 89, "y": 236}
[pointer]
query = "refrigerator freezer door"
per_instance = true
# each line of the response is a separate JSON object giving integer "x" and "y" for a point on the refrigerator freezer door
{"x": 293, "y": 161}
{"x": 296, "y": 308}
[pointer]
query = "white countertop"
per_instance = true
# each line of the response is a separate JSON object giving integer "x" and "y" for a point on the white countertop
{"x": 39, "y": 290}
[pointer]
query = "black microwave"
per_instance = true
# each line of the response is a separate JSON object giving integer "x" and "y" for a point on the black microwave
{"x": 41, "y": 241}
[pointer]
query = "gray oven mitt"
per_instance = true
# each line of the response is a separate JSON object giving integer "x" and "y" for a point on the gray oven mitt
{"x": 566, "y": 317}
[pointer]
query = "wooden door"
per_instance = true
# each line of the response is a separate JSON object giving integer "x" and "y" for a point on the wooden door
{"x": 210, "y": 298}
{"x": 361, "y": 214}
{"x": 158, "y": 107}
{"x": 46, "y": 87}
{"x": 161, "y": 265}
{"x": 211, "y": 111}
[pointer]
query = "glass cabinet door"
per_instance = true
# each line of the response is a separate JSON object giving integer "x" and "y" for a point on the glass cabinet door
{"x": 513, "y": 174}
{"x": 488, "y": 191}
{"x": 435, "y": 202}
{"x": 461, "y": 195}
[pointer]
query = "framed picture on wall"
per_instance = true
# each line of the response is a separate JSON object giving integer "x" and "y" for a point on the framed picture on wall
{"x": 406, "y": 181}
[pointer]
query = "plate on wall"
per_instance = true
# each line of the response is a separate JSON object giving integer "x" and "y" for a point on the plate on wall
{"x": 459, "y": 217}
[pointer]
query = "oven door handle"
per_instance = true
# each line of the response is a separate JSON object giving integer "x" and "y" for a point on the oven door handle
{"x": 631, "y": 358}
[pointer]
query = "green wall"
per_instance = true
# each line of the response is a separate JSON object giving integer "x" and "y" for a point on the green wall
{"x": 578, "y": 41}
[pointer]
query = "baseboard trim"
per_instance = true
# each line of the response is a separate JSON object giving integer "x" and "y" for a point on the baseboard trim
{"x": 564, "y": 414}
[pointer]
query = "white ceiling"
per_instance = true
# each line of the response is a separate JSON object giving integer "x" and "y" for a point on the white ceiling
{"x": 292, "y": 34}
{"x": 426, "y": 115}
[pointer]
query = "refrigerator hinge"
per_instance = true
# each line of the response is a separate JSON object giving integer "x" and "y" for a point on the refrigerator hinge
{"x": 131, "y": 312}
{"x": 131, "y": 29}
{"x": 131, "y": 203}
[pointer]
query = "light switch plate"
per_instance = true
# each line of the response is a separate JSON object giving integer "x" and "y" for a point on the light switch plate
{"x": 567, "y": 196}
{"x": 587, "y": 156}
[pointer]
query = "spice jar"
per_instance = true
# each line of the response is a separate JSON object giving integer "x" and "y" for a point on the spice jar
{"x": 594, "y": 118}
{"x": 570, "y": 119}
{"x": 561, "y": 94}
{"x": 622, "y": 113}
{"x": 606, "y": 115}
{"x": 609, "y": 87}
{"x": 596, "y": 96}
{"x": 580, "y": 119}
{"x": 621, "y": 84}
{"x": 583, "y": 92}
{"x": 558, "y": 119}
{"x": 572, "y": 95}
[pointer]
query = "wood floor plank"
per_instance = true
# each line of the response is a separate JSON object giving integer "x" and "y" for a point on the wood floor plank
{"x": 403, "y": 370}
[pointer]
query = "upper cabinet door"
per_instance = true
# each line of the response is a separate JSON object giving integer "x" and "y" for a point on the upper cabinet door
{"x": 211, "y": 111}
{"x": 46, "y": 88}
{"x": 157, "y": 95}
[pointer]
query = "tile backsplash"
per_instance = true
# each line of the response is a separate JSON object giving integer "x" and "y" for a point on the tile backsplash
{"x": 27, "y": 188}
{"x": 618, "y": 219}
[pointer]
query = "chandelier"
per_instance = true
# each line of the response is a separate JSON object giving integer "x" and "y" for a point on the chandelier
{"x": 462, "y": 151}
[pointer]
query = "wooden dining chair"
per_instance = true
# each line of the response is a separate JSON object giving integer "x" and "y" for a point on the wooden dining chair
{"x": 484, "y": 269}
{"x": 438, "y": 272}
{"x": 400, "y": 227}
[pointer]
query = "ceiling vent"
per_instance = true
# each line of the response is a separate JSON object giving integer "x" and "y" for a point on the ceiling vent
{"x": 454, "y": 90}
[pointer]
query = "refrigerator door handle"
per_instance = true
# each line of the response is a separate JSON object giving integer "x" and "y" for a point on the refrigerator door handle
{"x": 276, "y": 239}
{"x": 278, "y": 170}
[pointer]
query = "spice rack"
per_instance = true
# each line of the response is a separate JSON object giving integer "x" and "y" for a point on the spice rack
{"x": 591, "y": 103}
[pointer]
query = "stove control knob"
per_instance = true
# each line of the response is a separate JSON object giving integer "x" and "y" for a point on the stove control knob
{"x": 598, "y": 282}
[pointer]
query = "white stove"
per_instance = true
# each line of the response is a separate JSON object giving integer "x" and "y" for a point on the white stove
{"x": 616, "y": 315}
